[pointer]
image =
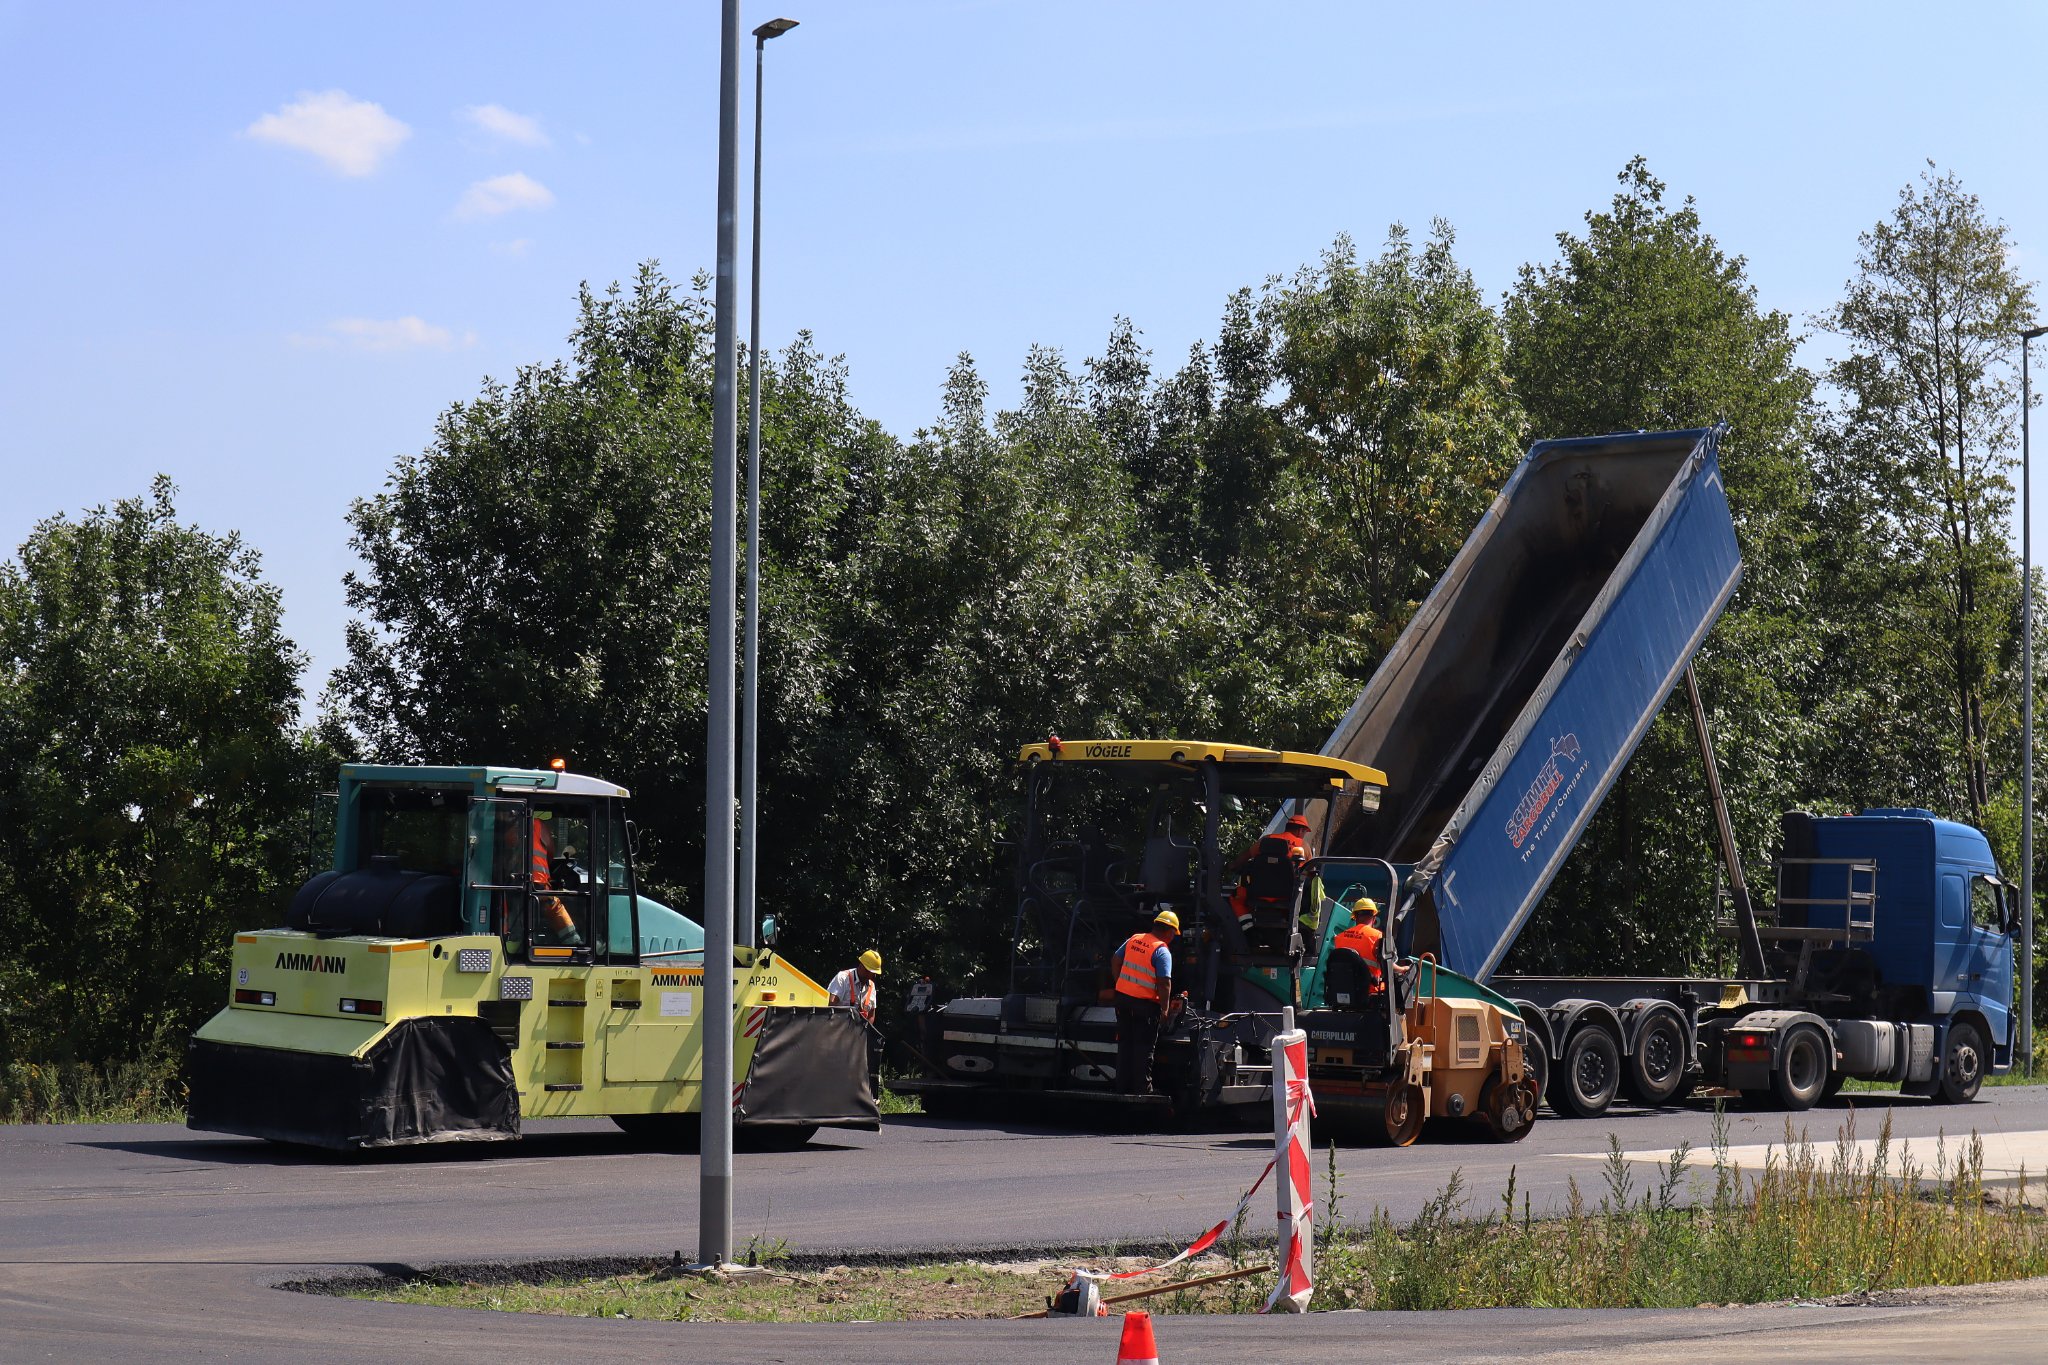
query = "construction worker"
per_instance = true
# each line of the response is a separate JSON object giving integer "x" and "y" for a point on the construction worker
{"x": 555, "y": 920}
{"x": 856, "y": 985}
{"x": 1269, "y": 872}
{"x": 1144, "y": 988}
{"x": 1363, "y": 937}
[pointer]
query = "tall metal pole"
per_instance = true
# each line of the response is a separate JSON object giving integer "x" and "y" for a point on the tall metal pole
{"x": 714, "y": 1200}
{"x": 2027, "y": 709}
{"x": 750, "y": 729}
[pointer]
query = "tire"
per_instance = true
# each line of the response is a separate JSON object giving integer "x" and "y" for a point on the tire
{"x": 1801, "y": 1075}
{"x": 665, "y": 1132}
{"x": 1962, "y": 1064}
{"x": 1653, "y": 1073}
{"x": 1587, "y": 1075}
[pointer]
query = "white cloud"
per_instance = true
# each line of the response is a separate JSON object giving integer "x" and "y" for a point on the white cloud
{"x": 503, "y": 194}
{"x": 352, "y": 136}
{"x": 384, "y": 334}
{"x": 501, "y": 122}
{"x": 516, "y": 248}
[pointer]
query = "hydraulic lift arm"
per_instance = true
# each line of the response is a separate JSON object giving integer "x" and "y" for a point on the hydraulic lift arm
{"x": 1748, "y": 943}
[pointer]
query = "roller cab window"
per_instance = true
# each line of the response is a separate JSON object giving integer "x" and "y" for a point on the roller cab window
{"x": 530, "y": 872}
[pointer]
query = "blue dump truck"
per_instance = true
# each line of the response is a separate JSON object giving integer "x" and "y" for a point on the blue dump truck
{"x": 1507, "y": 710}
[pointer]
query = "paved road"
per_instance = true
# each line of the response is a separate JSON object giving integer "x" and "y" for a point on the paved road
{"x": 151, "y": 1241}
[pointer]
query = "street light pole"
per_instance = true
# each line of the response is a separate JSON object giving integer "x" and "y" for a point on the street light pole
{"x": 2027, "y": 707}
{"x": 714, "y": 1197}
{"x": 750, "y": 729}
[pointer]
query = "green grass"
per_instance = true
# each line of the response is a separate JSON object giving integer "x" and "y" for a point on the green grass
{"x": 1814, "y": 1222}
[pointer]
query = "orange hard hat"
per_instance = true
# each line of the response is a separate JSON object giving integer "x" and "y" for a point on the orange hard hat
{"x": 1301, "y": 820}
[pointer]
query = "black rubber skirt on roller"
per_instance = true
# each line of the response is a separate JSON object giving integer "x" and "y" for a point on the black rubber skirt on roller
{"x": 427, "y": 1080}
{"x": 810, "y": 1070}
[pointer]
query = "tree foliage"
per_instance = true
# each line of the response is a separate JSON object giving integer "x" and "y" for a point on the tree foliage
{"x": 157, "y": 789}
{"x": 1644, "y": 322}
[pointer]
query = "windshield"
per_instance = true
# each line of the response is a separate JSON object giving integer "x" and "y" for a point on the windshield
{"x": 424, "y": 831}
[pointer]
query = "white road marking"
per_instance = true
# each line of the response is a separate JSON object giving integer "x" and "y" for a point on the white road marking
{"x": 2006, "y": 1155}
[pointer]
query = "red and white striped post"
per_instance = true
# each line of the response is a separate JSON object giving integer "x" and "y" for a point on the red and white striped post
{"x": 1292, "y": 1106}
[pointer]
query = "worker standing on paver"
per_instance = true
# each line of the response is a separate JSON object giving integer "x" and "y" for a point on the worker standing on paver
{"x": 1363, "y": 937}
{"x": 856, "y": 985}
{"x": 1144, "y": 988}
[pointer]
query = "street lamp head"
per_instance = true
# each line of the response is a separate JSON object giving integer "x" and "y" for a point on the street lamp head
{"x": 2033, "y": 332}
{"x": 774, "y": 28}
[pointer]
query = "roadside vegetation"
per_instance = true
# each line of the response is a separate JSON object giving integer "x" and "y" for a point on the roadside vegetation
{"x": 1223, "y": 541}
{"x": 147, "y": 1089}
{"x": 1815, "y": 1222}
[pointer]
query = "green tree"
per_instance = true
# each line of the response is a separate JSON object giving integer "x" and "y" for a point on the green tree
{"x": 1645, "y": 322}
{"x": 157, "y": 788}
{"x": 1400, "y": 425}
{"x": 1924, "y": 442}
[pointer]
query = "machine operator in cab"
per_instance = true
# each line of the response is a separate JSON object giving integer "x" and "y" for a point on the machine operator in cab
{"x": 1363, "y": 937}
{"x": 1269, "y": 873}
{"x": 1144, "y": 989}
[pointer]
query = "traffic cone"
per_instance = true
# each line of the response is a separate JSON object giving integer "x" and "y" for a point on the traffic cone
{"x": 1137, "y": 1346}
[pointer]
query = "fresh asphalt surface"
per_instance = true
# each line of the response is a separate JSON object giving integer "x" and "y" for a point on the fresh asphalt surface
{"x": 151, "y": 1242}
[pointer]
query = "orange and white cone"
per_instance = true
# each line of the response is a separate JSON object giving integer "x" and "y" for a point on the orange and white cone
{"x": 1137, "y": 1346}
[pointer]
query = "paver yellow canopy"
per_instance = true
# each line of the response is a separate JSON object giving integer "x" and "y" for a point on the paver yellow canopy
{"x": 479, "y": 953}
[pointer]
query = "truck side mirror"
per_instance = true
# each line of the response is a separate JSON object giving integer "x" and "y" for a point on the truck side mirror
{"x": 2013, "y": 921}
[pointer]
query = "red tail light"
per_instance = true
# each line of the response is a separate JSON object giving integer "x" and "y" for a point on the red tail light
{"x": 255, "y": 997}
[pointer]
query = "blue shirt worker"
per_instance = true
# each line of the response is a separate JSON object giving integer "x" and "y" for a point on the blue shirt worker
{"x": 1144, "y": 988}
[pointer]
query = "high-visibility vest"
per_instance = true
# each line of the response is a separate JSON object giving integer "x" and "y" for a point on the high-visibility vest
{"x": 1363, "y": 939}
{"x": 537, "y": 858}
{"x": 860, "y": 994}
{"x": 1135, "y": 975}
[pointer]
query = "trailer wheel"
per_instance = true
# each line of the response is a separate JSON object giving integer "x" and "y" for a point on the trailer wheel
{"x": 1656, "y": 1069}
{"x": 1962, "y": 1064}
{"x": 1802, "y": 1072}
{"x": 1587, "y": 1074}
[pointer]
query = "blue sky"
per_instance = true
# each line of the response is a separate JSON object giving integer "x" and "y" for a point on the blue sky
{"x": 259, "y": 247}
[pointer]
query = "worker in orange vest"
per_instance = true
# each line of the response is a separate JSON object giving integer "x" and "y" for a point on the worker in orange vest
{"x": 1363, "y": 937}
{"x": 1144, "y": 988}
{"x": 556, "y": 923}
{"x": 1292, "y": 844}
{"x": 856, "y": 985}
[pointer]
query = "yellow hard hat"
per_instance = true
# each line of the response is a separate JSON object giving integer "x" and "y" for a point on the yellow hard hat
{"x": 1364, "y": 905}
{"x": 871, "y": 960}
{"x": 1169, "y": 919}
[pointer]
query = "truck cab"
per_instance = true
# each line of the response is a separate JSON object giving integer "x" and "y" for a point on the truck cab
{"x": 1901, "y": 915}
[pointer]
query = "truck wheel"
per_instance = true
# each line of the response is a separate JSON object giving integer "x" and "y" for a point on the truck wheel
{"x": 1962, "y": 1064}
{"x": 1656, "y": 1069}
{"x": 1587, "y": 1075}
{"x": 1802, "y": 1072}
